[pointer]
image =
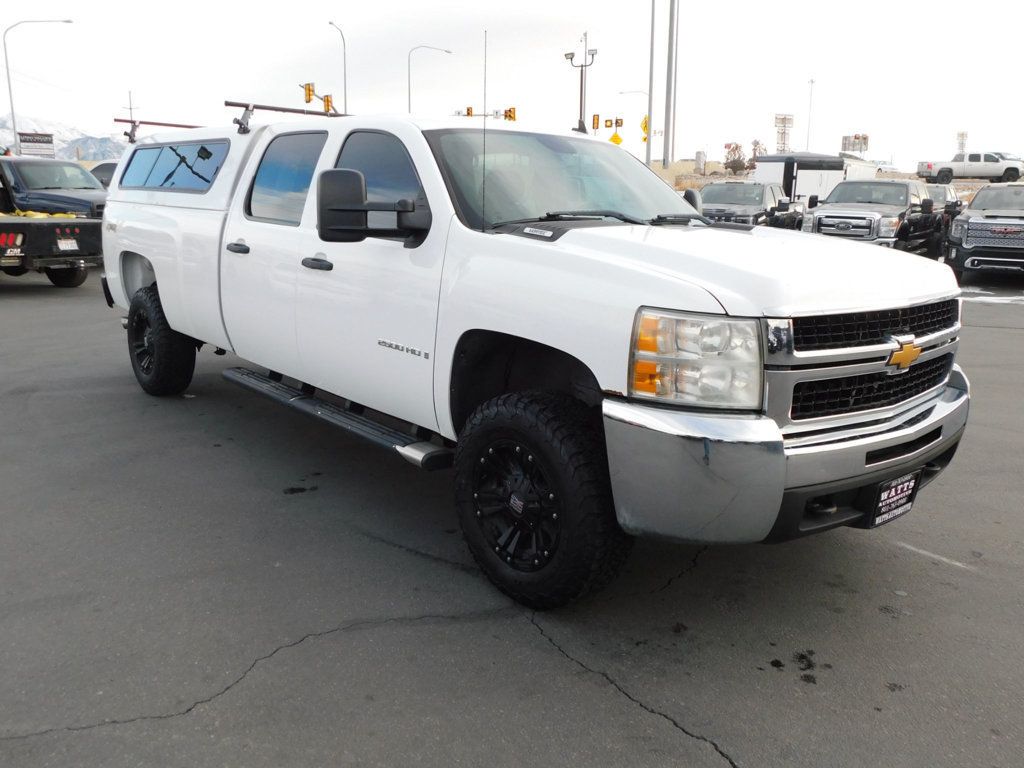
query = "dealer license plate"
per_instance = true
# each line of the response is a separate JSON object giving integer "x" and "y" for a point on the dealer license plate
{"x": 895, "y": 498}
{"x": 67, "y": 244}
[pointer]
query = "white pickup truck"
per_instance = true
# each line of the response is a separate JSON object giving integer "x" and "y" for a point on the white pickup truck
{"x": 595, "y": 359}
{"x": 994, "y": 166}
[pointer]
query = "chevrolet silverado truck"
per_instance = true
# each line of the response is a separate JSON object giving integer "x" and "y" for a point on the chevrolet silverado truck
{"x": 61, "y": 244}
{"x": 989, "y": 234}
{"x": 996, "y": 166}
{"x": 541, "y": 311}
{"x": 895, "y": 213}
{"x": 749, "y": 202}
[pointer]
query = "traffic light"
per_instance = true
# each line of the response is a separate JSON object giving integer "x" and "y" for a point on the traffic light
{"x": 310, "y": 92}
{"x": 510, "y": 113}
{"x": 618, "y": 122}
{"x": 596, "y": 122}
{"x": 328, "y": 104}
{"x": 469, "y": 111}
{"x": 608, "y": 123}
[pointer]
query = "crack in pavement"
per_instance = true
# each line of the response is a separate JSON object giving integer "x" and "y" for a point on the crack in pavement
{"x": 618, "y": 687}
{"x": 463, "y": 567}
{"x": 688, "y": 569}
{"x": 346, "y": 627}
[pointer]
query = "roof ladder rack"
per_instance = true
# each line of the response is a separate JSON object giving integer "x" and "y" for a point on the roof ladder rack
{"x": 248, "y": 108}
{"x": 130, "y": 133}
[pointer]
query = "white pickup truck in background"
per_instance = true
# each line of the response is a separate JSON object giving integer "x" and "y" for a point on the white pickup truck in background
{"x": 994, "y": 166}
{"x": 595, "y": 359}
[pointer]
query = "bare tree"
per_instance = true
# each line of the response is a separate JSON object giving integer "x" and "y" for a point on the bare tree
{"x": 735, "y": 159}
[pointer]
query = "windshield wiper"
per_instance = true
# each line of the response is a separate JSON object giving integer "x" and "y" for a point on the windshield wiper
{"x": 588, "y": 214}
{"x": 679, "y": 218}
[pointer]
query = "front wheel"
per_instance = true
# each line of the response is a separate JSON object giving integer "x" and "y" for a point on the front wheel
{"x": 534, "y": 498}
{"x": 67, "y": 278}
{"x": 163, "y": 359}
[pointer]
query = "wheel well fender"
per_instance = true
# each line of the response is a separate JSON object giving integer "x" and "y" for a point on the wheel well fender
{"x": 487, "y": 364}
{"x": 136, "y": 272}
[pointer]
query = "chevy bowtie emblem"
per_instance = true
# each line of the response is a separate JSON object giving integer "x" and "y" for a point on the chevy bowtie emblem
{"x": 905, "y": 356}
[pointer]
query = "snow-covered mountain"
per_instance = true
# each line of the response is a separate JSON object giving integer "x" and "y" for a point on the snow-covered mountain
{"x": 69, "y": 142}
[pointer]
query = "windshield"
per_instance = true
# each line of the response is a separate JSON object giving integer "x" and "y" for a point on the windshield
{"x": 1006, "y": 156}
{"x": 56, "y": 176}
{"x": 531, "y": 174}
{"x": 938, "y": 193}
{"x": 733, "y": 194}
{"x": 868, "y": 192}
{"x": 999, "y": 198}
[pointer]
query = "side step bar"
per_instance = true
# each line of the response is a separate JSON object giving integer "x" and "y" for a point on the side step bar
{"x": 422, "y": 453}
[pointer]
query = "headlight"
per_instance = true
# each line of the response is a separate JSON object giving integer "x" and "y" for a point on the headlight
{"x": 957, "y": 230}
{"x": 888, "y": 226}
{"x": 707, "y": 361}
{"x": 808, "y": 223}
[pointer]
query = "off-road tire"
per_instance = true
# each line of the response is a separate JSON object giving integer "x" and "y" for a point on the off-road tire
{"x": 564, "y": 439}
{"x": 163, "y": 359}
{"x": 945, "y": 176}
{"x": 1010, "y": 175}
{"x": 67, "y": 278}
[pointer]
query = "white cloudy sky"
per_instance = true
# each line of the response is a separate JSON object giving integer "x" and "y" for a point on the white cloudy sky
{"x": 910, "y": 74}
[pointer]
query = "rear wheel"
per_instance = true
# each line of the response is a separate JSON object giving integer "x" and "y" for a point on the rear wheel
{"x": 14, "y": 271}
{"x": 534, "y": 499}
{"x": 945, "y": 176}
{"x": 163, "y": 359}
{"x": 1010, "y": 174}
{"x": 67, "y": 278}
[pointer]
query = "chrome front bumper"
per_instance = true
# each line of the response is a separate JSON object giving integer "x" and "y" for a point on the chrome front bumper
{"x": 727, "y": 478}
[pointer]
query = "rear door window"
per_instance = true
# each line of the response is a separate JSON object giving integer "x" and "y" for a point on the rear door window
{"x": 279, "y": 190}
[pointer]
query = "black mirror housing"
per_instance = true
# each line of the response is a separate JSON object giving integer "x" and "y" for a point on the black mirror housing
{"x": 952, "y": 207}
{"x": 343, "y": 212}
{"x": 927, "y": 205}
{"x": 782, "y": 206}
{"x": 812, "y": 201}
{"x": 341, "y": 206}
{"x": 692, "y": 196}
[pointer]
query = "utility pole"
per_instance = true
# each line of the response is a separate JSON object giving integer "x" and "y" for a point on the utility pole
{"x": 650, "y": 97}
{"x": 130, "y": 108}
{"x": 810, "y": 104}
{"x": 670, "y": 86}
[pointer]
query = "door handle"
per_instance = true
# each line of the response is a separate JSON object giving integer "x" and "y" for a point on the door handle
{"x": 318, "y": 263}
{"x": 237, "y": 247}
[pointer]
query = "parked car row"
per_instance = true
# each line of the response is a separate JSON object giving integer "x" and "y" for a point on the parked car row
{"x": 904, "y": 214}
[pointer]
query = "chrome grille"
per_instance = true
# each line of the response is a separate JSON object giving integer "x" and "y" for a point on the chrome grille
{"x": 856, "y": 329}
{"x": 850, "y": 394}
{"x": 995, "y": 234}
{"x": 844, "y": 226}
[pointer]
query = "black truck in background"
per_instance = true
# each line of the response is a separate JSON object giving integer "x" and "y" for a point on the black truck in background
{"x": 50, "y": 219}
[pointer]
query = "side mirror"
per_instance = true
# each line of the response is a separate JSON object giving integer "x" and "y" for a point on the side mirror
{"x": 692, "y": 196}
{"x": 952, "y": 207}
{"x": 344, "y": 216}
{"x": 782, "y": 206}
{"x": 927, "y": 205}
{"x": 812, "y": 201}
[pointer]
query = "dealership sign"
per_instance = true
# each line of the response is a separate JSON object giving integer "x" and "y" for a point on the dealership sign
{"x": 36, "y": 144}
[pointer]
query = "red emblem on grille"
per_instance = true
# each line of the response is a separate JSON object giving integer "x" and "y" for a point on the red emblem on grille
{"x": 1006, "y": 230}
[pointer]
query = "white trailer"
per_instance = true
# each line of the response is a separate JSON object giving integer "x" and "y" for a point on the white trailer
{"x": 803, "y": 174}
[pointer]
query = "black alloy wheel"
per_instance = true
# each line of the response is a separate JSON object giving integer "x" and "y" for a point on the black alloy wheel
{"x": 517, "y": 508}
{"x": 163, "y": 359}
{"x": 140, "y": 340}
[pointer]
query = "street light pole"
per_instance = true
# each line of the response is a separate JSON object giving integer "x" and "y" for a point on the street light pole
{"x": 409, "y": 67}
{"x": 7, "y": 66}
{"x": 650, "y": 96}
{"x": 810, "y": 104}
{"x": 588, "y": 54}
{"x": 344, "y": 65}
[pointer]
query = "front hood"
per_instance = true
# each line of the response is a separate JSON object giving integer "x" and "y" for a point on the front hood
{"x": 61, "y": 200}
{"x": 770, "y": 272}
{"x": 834, "y": 208}
{"x": 973, "y": 213}
{"x": 733, "y": 208}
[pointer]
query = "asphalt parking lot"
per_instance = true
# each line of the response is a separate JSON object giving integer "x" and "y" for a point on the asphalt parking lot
{"x": 213, "y": 580}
